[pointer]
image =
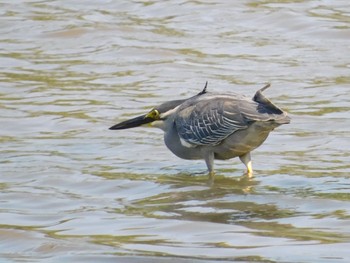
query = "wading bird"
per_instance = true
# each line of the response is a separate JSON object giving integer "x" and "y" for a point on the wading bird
{"x": 214, "y": 125}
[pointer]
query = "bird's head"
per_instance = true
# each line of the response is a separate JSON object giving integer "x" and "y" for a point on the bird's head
{"x": 156, "y": 117}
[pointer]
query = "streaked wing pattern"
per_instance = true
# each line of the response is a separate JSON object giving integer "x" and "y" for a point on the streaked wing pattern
{"x": 208, "y": 122}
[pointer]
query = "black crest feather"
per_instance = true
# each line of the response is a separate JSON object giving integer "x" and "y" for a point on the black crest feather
{"x": 204, "y": 89}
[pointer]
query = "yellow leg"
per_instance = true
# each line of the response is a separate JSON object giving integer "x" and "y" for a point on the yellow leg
{"x": 250, "y": 169}
{"x": 248, "y": 163}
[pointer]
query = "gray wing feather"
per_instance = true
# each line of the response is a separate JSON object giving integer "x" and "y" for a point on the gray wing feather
{"x": 208, "y": 122}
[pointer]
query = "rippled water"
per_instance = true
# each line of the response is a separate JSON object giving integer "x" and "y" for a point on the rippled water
{"x": 74, "y": 191}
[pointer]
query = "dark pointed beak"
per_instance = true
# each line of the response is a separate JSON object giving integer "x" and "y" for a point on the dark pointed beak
{"x": 134, "y": 122}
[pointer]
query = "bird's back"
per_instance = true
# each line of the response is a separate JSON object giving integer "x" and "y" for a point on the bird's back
{"x": 209, "y": 118}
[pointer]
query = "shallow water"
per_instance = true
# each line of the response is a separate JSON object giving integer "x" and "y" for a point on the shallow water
{"x": 73, "y": 191}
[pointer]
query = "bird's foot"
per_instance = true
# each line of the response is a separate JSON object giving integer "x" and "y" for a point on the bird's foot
{"x": 249, "y": 173}
{"x": 211, "y": 178}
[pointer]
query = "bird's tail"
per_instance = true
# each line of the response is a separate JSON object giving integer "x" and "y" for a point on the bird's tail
{"x": 280, "y": 116}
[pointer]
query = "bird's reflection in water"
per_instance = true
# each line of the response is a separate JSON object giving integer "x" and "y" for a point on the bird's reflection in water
{"x": 245, "y": 182}
{"x": 223, "y": 184}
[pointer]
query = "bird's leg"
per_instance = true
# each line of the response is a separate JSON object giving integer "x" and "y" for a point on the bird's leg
{"x": 248, "y": 163}
{"x": 209, "y": 160}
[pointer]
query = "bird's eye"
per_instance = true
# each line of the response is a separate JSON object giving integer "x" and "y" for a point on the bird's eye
{"x": 154, "y": 114}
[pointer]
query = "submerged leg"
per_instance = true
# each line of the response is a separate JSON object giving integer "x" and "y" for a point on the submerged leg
{"x": 248, "y": 163}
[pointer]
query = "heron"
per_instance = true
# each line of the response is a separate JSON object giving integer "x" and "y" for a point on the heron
{"x": 211, "y": 125}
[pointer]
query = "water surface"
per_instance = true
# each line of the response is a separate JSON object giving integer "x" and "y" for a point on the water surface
{"x": 73, "y": 191}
